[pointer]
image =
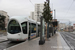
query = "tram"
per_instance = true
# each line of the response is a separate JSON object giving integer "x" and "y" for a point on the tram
{"x": 21, "y": 28}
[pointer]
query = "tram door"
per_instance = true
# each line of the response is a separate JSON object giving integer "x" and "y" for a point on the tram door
{"x": 29, "y": 31}
{"x": 32, "y": 30}
{"x": 38, "y": 30}
{"x": 24, "y": 28}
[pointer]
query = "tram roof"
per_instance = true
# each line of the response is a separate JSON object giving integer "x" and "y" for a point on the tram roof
{"x": 21, "y": 19}
{"x": 38, "y": 22}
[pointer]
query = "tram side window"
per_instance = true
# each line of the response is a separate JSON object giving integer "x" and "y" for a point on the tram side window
{"x": 33, "y": 28}
{"x": 24, "y": 27}
{"x": 38, "y": 28}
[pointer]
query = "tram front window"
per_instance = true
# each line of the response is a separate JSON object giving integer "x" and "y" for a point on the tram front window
{"x": 14, "y": 27}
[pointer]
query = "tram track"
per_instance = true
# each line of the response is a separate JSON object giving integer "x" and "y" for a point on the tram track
{"x": 7, "y": 44}
{"x": 71, "y": 35}
{"x": 4, "y": 41}
{"x": 66, "y": 41}
{"x": 69, "y": 39}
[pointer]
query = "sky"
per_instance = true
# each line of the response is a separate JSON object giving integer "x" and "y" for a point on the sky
{"x": 65, "y": 9}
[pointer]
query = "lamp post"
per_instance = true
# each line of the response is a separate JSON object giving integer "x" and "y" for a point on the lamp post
{"x": 54, "y": 14}
{"x": 69, "y": 26}
{"x": 48, "y": 22}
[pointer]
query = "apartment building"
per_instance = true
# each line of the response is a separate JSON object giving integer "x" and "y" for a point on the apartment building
{"x": 7, "y": 17}
{"x": 37, "y": 12}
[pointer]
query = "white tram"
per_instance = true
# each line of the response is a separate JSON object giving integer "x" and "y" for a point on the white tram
{"x": 22, "y": 28}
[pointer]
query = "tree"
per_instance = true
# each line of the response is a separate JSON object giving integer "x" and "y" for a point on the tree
{"x": 2, "y": 22}
{"x": 46, "y": 14}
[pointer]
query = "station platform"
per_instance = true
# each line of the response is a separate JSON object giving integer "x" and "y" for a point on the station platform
{"x": 56, "y": 42}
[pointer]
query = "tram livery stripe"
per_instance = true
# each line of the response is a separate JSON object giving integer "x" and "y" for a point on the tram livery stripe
{"x": 33, "y": 35}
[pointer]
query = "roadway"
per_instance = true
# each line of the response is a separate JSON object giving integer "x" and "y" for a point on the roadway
{"x": 4, "y": 43}
{"x": 8, "y": 44}
{"x": 69, "y": 38}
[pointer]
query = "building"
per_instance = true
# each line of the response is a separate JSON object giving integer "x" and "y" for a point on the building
{"x": 67, "y": 28}
{"x": 7, "y": 17}
{"x": 38, "y": 11}
{"x": 62, "y": 26}
{"x": 74, "y": 27}
{"x": 32, "y": 16}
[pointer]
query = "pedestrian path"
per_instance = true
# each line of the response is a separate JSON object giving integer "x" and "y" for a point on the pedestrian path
{"x": 56, "y": 42}
{"x": 3, "y": 38}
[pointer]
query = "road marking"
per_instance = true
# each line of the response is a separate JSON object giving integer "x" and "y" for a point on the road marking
{"x": 35, "y": 38}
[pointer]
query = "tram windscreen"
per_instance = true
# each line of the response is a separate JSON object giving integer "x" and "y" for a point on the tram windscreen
{"x": 14, "y": 27}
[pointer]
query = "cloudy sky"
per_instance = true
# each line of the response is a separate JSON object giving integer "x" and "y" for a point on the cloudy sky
{"x": 65, "y": 9}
